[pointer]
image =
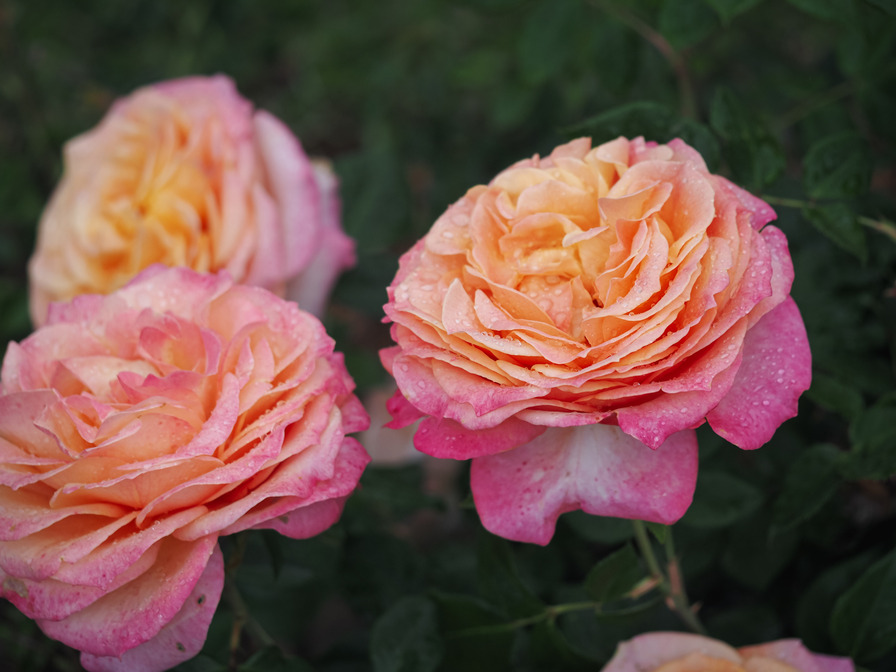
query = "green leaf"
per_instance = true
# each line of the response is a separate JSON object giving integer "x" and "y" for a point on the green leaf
{"x": 743, "y": 625}
{"x": 544, "y": 46}
{"x": 202, "y": 663}
{"x": 728, "y": 9}
{"x": 721, "y": 499}
{"x": 372, "y": 191}
{"x": 873, "y": 436}
{"x": 753, "y": 153}
{"x": 499, "y": 581}
{"x": 839, "y": 223}
{"x": 615, "y": 575}
{"x": 835, "y": 395}
{"x": 547, "y": 648}
{"x": 600, "y": 529}
{"x": 460, "y": 617}
{"x": 658, "y": 530}
{"x": 863, "y": 624}
{"x": 406, "y": 638}
{"x": 813, "y": 611}
{"x": 830, "y": 10}
{"x": 686, "y": 22}
{"x": 753, "y": 557}
{"x": 272, "y": 659}
{"x": 888, "y": 6}
{"x": 274, "y": 547}
{"x": 838, "y": 166}
{"x": 653, "y": 121}
{"x": 810, "y": 482}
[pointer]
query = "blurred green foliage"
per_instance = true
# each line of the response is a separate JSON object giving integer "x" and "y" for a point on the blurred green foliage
{"x": 415, "y": 102}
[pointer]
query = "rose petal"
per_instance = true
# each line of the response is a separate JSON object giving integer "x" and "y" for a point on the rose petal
{"x": 776, "y": 369}
{"x": 181, "y": 638}
{"x": 794, "y": 653}
{"x": 137, "y": 611}
{"x": 441, "y": 437}
{"x": 653, "y": 649}
{"x": 597, "y": 468}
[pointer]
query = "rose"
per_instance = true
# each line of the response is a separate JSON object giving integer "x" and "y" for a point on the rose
{"x": 682, "y": 652}
{"x": 184, "y": 173}
{"x": 138, "y": 427}
{"x": 569, "y": 324}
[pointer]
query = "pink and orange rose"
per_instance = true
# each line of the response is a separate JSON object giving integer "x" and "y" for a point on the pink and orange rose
{"x": 138, "y": 427}
{"x": 186, "y": 173}
{"x": 568, "y": 325}
{"x": 684, "y": 652}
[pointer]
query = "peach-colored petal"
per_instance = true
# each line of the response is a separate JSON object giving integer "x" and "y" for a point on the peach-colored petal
{"x": 138, "y": 427}
{"x": 597, "y": 468}
{"x": 793, "y": 652}
{"x": 684, "y": 652}
{"x": 622, "y": 284}
{"x": 186, "y": 173}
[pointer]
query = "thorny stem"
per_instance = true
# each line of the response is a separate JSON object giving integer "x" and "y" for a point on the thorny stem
{"x": 549, "y": 613}
{"x": 670, "y": 584}
{"x": 884, "y": 226}
{"x": 687, "y": 104}
{"x": 786, "y": 202}
{"x": 810, "y": 105}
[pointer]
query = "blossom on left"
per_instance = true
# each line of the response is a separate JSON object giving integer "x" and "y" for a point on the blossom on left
{"x": 138, "y": 427}
{"x": 186, "y": 173}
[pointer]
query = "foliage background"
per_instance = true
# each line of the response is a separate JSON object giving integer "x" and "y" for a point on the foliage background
{"x": 414, "y": 102}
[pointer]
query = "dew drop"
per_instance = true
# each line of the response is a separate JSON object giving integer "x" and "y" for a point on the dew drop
{"x": 765, "y": 402}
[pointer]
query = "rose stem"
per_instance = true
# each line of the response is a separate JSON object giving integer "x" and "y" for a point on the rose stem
{"x": 241, "y": 616}
{"x": 688, "y": 104}
{"x": 672, "y": 585}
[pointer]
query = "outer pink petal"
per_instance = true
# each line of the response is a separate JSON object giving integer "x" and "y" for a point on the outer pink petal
{"x": 776, "y": 370}
{"x": 335, "y": 251}
{"x": 158, "y": 287}
{"x": 54, "y": 600}
{"x": 294, "y": 188}
{"x": 402, "y": 411}
{"x": 794, "y": 653}
{"x": 654, "y": 421}
{"x": 597, "y": 468}
{"x": 136, "y": 612}
{"x": 183, "y": 636}
{"x": 441, "y": 437}
{"x": 301, "y": 518}
{"x": 651, "y": 650}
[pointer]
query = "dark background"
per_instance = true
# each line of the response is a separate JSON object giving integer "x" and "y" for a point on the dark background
{"x": 415, "y": 102}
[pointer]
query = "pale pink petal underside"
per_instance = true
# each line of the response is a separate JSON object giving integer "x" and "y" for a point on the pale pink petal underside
{"x": 653, "y": 649}
{"x": 597, "y": 468}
